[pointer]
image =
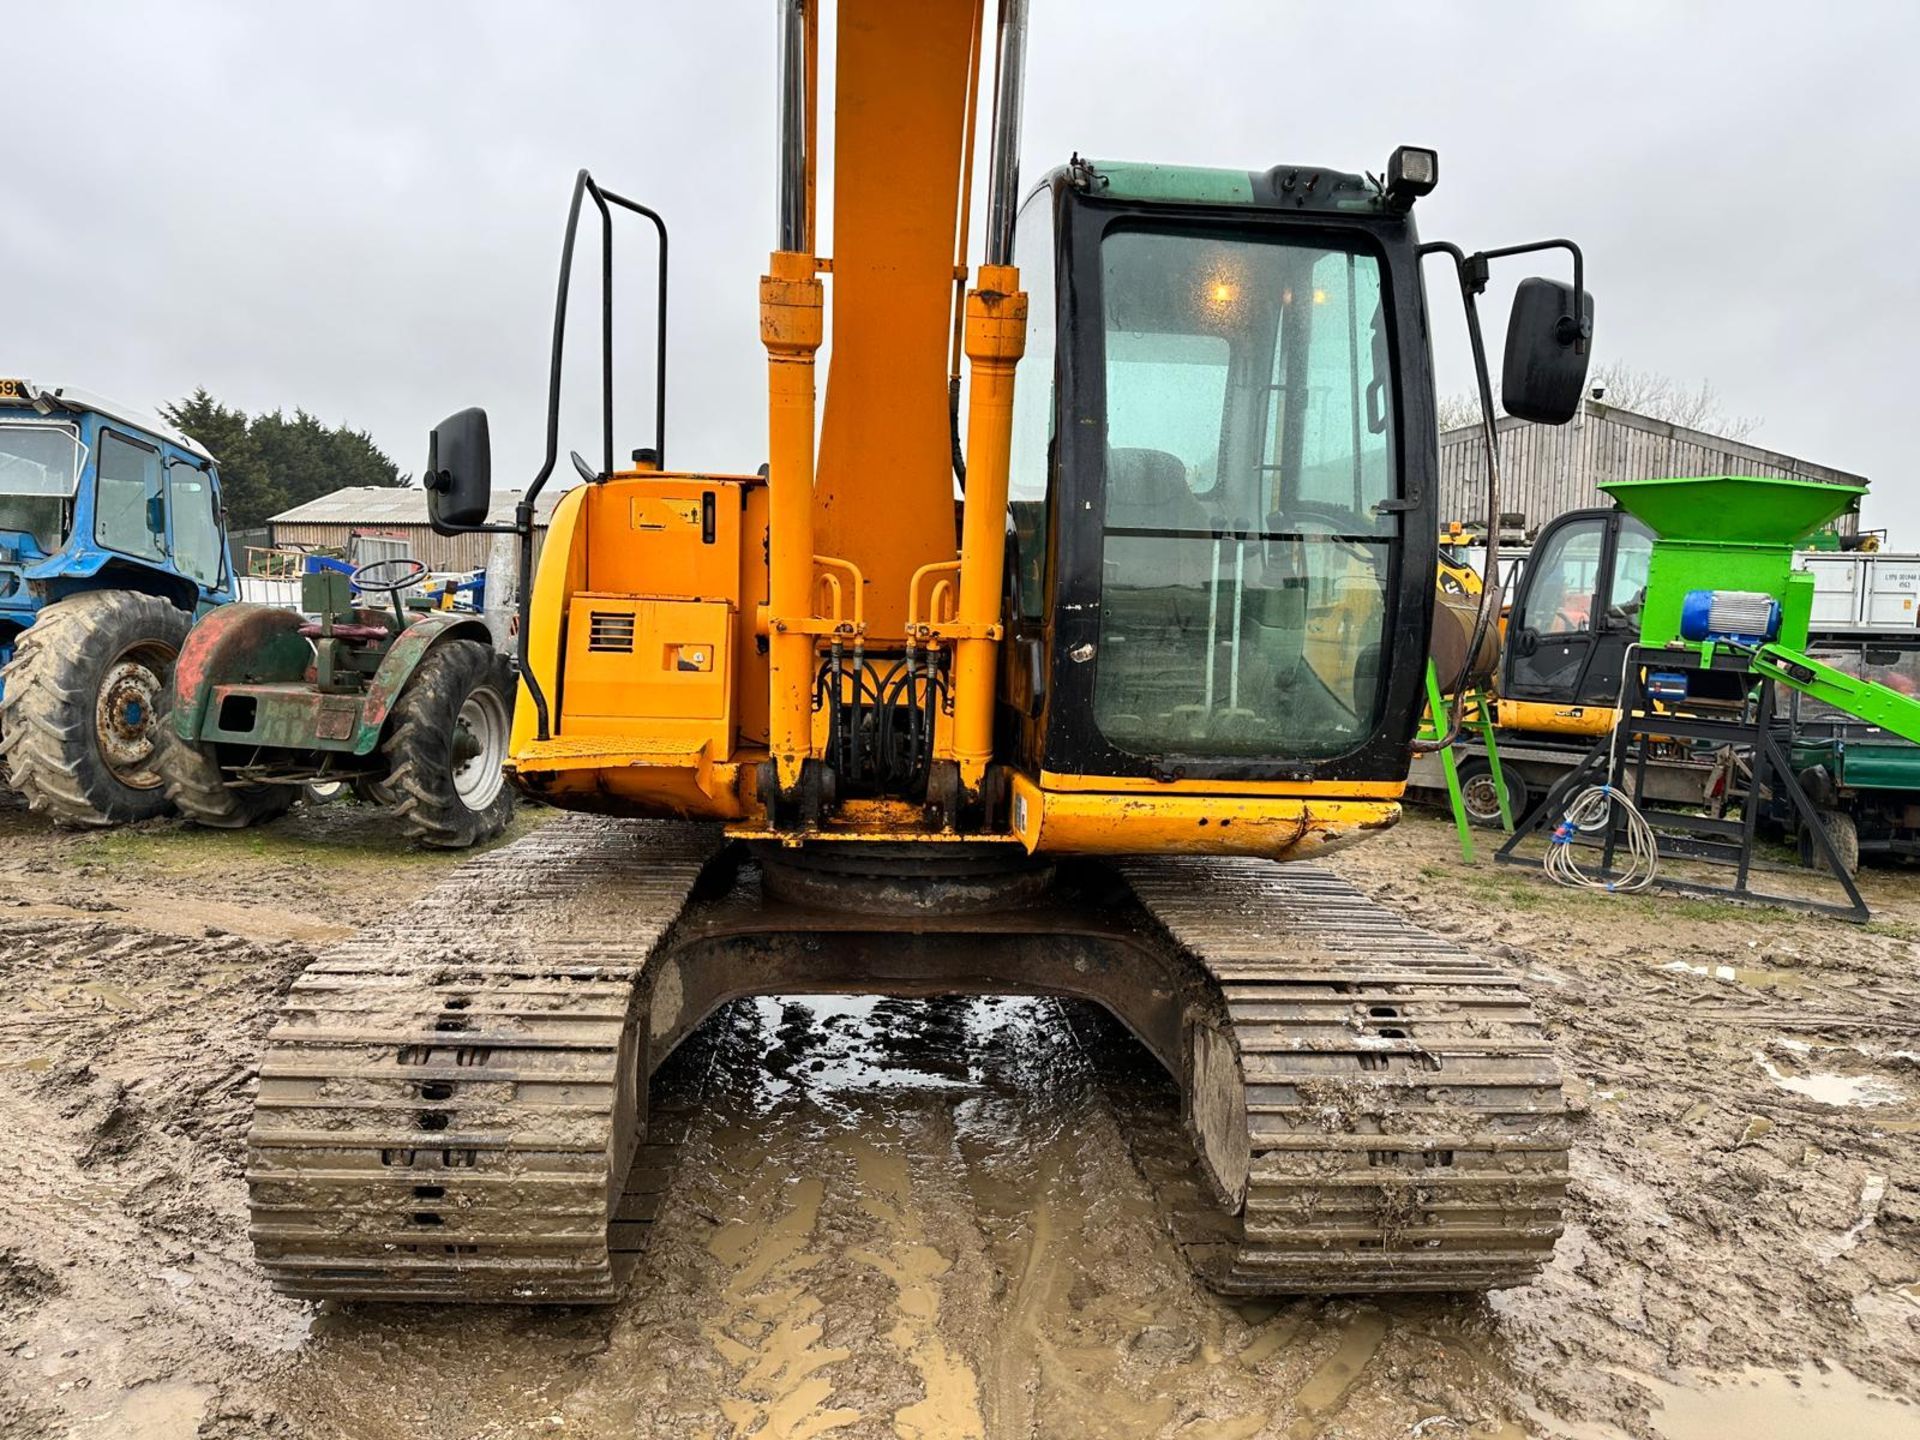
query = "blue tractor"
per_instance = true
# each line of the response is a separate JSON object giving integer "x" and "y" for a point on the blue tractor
{"x": 112, "y": 540}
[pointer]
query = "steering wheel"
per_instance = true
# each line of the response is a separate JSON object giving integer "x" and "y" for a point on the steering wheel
{"x": 372, "y": 576}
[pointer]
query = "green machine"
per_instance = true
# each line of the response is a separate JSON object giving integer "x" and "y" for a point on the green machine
{"x": 411, "y": 708}
{"x": 1723, "y": 612}
{"x": 1722, "y": 580}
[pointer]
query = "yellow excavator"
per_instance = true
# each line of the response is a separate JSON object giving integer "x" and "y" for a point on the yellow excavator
{"x": 1011, "y": 676}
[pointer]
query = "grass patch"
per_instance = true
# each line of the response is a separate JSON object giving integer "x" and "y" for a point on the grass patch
{"x": 342, "y": 836}
{"x": 1897, "y": 929}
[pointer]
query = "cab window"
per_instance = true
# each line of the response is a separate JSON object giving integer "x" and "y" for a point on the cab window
{"x": 1030, "y": 463}
{"x": 196, "y": 522}
{"x": 128, "y": 511}
{"x": 1632, "y": 559}
{"x": 1561, "y": 582}
{"x": 1245, "y": 559}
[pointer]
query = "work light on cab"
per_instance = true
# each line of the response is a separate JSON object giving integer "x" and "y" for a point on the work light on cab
{"x": 1411, "y": 173}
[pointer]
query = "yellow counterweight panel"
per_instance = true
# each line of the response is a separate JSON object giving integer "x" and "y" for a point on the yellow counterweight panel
{"x": 1293, "y": 827}
{"x": 659, "y": 668}
{"x": 648, "y": 586}
{"x": 561, "y": 571}
{"x": 627, "y": 776}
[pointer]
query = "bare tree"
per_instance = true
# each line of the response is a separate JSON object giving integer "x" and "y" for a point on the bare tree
{"x": 1456, "y": 412}
{"x": 1627, "y": 387}
{"x": 1661, "y": 397}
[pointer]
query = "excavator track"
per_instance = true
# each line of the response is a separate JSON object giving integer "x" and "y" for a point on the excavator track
{"x": 449, "y": 1102}
{"x": 452, "y": 1105}
{"x": 1404, "y": 1128}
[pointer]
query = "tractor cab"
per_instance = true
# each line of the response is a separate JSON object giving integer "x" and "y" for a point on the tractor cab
{"x": 93, "y": 493}
{"x": 112, "y": 538}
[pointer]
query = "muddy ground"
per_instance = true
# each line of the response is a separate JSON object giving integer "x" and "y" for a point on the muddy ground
{"x": 922, "y": 1220}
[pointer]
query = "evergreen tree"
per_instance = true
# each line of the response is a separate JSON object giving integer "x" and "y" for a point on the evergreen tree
{"x": 269, "y": 463}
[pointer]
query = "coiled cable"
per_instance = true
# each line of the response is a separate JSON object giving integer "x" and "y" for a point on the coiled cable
{"x": 1590, "y": 811}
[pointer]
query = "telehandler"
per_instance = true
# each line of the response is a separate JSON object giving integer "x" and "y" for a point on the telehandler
{"x": 1022, "y": 696}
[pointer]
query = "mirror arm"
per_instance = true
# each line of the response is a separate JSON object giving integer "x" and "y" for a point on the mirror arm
{"x": 522, "y": 526}
{"x": 1575, "y": 329}
{"x": 1472, "y": 274}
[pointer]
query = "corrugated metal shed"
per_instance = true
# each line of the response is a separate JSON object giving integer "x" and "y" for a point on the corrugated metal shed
{"x": 399, "y": 512}
{"x": 1547, "y": 470}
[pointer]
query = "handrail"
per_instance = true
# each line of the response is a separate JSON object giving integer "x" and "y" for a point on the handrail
{"x": 523, "y": 512}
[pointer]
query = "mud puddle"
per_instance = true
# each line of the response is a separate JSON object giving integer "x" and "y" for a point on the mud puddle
{"x": 1814, "y": 1402}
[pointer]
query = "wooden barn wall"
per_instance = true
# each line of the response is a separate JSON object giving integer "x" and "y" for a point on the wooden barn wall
{"x": 1547, "y": 470}
{"x": 439, "y": 552}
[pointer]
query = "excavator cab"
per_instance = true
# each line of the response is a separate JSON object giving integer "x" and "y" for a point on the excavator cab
{"x": 1215, "y": 450}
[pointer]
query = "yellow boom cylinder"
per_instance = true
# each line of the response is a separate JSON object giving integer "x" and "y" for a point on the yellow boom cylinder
{"x": 792, "y": 325}
{"x": 996, "y": 339}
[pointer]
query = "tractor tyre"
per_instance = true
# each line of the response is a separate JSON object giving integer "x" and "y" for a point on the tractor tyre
{"x": 79, "y": 718}
{"x": 200, "y": 791}
{"x": 1843, "y": 832}
{"x": 369, "y": 791}
{"x": 446, "y": 746}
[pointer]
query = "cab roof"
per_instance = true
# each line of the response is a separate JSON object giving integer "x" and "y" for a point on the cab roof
{"x": 74, "y": 400}
{"x": 1293, "y": 187}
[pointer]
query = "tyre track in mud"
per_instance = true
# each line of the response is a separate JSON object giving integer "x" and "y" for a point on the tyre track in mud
{"x": 925, "y": 1220}
{"x": 1717, "y": 1219}
{"x": 125, "y": 1089}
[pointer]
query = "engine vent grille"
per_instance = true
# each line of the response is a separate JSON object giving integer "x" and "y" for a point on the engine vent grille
{"x": 610, "y": 630}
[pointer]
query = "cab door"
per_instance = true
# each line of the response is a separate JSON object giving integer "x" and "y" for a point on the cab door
{"x": 197, "y": 540}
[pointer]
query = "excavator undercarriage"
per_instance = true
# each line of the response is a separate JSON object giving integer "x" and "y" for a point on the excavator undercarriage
{"x": 443, "y": 1117}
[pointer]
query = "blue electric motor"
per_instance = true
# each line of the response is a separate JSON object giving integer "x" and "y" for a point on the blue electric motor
{"x": 1747, "y": 617}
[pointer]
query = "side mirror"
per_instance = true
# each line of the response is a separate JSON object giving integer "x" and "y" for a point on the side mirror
{"x": 1545, "y": 372}
{"x": 459, "y": 476}
{"x": 156, "y": 514}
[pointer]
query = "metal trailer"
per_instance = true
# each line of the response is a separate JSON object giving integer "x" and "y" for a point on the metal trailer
{"x": 1530, "y": 764}
{"x": 1863, "y": 592}
{"x": 1864, "y": 781}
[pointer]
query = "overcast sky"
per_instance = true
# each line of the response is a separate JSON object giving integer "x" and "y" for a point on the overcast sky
{"x": 356, "y": 207}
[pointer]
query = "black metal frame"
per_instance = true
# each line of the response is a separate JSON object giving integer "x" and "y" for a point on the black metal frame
{"x": 1713, "y": 839}
{"x": 522, "y": 526}
{"x": 1473, "y": 272}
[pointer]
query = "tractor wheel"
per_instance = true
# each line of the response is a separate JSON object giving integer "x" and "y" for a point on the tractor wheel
{"x": 446, "y": 744}
{"x": 369, "y": 791}
{"x": 78, "y": 717}
{"x": 1844, "y": 834}
{"x": 199, "y": 789}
